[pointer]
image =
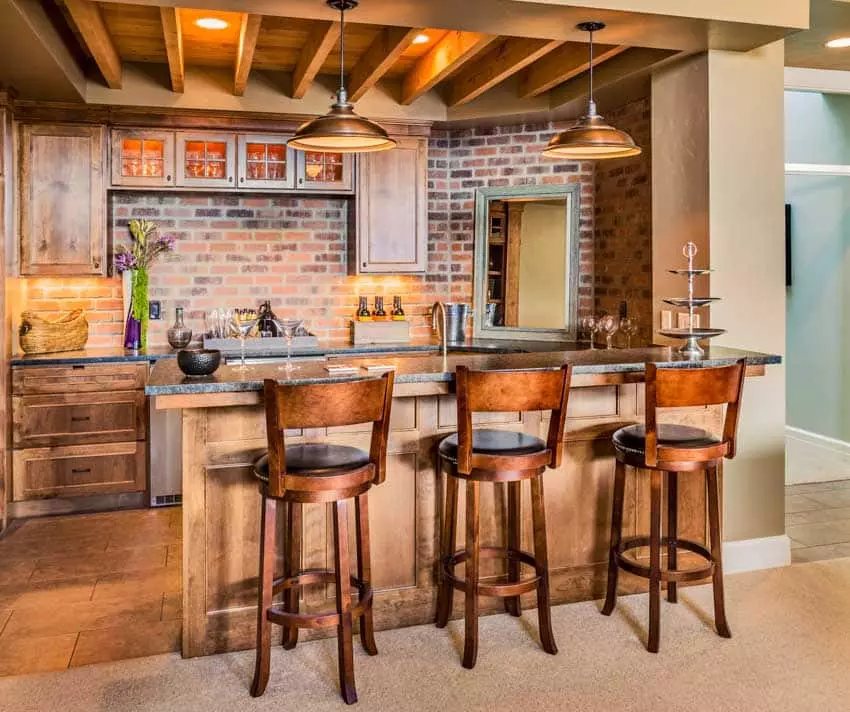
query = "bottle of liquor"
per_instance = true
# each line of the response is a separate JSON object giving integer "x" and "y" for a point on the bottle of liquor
{"x": 363, "y": 310}
{"x": 398, "y": 312}
{"x": 266, "y": 325}
{"x": 379, "y": 314}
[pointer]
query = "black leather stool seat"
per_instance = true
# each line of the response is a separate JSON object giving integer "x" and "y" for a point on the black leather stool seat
{"x": 633, "y": 437}
{"x": 494, "y": 442}
{"x": 316, "y": 459}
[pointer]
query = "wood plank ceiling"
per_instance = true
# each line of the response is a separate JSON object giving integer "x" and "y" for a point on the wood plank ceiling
{"x": 418, "y": 59}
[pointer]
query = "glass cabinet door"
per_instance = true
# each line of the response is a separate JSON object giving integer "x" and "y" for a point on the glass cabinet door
{"x": 326, "y": 172}
{"x": 142, "y": 158}
{"x": 206, "y": 160}
{"x": 265, "y": 163}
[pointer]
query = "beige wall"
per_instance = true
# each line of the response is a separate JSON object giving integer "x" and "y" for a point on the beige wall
{"x": 543, "y": 266}
{"x": 720, "y": 115}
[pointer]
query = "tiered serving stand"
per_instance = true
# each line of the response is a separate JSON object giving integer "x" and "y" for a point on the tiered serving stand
{"x": 692, "y": 335}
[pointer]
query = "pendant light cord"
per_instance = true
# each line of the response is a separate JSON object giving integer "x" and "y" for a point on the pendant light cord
{"x": 592, "y": 103}
{"x": 342, "y": 93}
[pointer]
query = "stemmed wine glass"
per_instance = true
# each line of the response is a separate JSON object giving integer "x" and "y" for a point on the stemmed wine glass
{"x": 242, "y": 324}
{"x": 629, "y": 326}
{"x": 608, "y": 325}
{"x": 288, "y": 327}
{"x": 590, "y": 326}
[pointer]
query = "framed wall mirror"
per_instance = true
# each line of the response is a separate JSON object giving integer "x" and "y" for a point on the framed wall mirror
{"x": 527, "y": 262}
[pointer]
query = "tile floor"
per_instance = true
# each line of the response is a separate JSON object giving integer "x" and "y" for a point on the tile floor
{"x": 89, "y": 588}
{"x": 817, "y": 520}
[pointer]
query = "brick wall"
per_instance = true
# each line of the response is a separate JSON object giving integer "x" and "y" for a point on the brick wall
{"x": 623, "y": 223}
{"x": 238, "y": 250}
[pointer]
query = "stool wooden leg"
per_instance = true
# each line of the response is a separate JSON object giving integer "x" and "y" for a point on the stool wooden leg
{"x": 716, "y": 553}
{"x": 541, "y": 559}
{"x": 268, "y": 531}
{"x": 292, "y": 567}
{"x": 655, "y": 562}
{"x": 470, "y": 645}
{"x": 616, "y": 536}
{"x": 513, "y": 605}
{"x": 445, "y": 591}
{"x": 364, "y": 571}
{"x": 343, "y": 602}
{"x": 672, "y": 531}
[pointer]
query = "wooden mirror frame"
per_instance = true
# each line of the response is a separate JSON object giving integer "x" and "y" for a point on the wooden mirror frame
{"x": 571, "y": 193}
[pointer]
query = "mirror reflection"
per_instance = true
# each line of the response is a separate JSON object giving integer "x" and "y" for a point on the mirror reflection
{"x": 526, "y": 241}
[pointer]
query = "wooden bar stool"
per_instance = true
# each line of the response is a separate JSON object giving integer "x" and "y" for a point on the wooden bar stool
{"x": 673, "y": 449}
{"x": 311, "y": 473}
{"x": 480, "y": 455}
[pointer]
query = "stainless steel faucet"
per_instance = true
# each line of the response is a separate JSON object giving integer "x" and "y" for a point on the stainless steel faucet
{"x": 440, "y": 309}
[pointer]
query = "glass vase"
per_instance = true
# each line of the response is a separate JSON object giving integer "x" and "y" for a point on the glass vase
{"x": 136, "y": 328}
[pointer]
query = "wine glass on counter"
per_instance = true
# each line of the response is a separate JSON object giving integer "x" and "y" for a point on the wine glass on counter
{"x": 289, "y": 328}
{"x": 608, "y": 325}
{"x": 629, "y": 327}
{"x": 589, "y": 327}
{"x": 242, "y": 323}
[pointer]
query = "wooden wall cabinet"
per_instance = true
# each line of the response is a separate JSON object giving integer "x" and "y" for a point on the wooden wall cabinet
{"x": 206, "y": 160}
{"x": 142, "y": 158}
{"x": 391, "y": 217}
{"x": 62, "y": 200}
{"x": 325, "y": 172}
{"x": 78, "y": 430}
{"x": 265, "y": 162}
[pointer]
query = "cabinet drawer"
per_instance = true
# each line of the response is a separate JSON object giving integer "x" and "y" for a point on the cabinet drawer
{"x": 84, "y": 378}
{"x": 78, "y": 419}
{"x": 78, "y": 470}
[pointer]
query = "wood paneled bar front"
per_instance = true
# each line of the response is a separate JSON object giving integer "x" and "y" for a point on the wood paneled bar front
{"x": 224, "y": 432}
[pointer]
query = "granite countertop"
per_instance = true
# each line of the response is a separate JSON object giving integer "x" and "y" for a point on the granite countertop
{"x": 330, "y": 348}
{"x": 167, "y": 379}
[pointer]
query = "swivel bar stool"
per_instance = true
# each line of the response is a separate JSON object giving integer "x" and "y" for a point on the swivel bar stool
{"x": 310, "y": 473}
{"x": 670, "y": 450}
{"x": 480, "y": 455}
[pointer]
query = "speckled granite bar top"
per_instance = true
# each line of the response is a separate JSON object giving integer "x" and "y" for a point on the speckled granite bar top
{"x": 167, "y": 379}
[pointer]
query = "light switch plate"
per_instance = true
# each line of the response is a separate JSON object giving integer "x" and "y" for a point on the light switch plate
{"x": 155, "y": 310}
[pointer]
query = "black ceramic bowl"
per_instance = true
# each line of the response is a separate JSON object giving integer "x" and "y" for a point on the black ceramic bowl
{"x": 198, "y": 362}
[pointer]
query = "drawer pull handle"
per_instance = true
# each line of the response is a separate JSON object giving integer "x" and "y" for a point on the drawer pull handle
{"x": 81, "y": 471}
{"x": 79, "y": 418}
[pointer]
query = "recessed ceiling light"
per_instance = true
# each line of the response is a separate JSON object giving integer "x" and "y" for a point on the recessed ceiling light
{"x": 212, "y": 23}
{"x": 421, "y": 38}
{"x": 839, "y": 42}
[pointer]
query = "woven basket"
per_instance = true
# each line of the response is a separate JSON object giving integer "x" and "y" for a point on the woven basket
{"x": 67, "y": 333}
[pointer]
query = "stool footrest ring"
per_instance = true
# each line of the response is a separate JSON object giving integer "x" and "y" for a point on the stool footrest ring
{"x": 317, "y": 620}
{"x": 500, "y": 590}
{"x": 627, "y": 563}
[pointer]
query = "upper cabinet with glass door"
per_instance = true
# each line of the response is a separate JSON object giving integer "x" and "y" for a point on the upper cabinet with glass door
{"x": 325, "y": 172}
{"x": 265, "y": 163}
{"x": 143, "y": 158}
{"x": 206, "y": 160}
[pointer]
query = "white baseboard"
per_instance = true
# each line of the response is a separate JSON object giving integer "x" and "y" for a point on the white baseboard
{"x": 810, "y": 457}
{"x": 769, "y": 552}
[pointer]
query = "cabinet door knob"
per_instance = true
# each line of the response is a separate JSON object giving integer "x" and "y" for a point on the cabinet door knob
{"x": 167, "y": 179}
{"x": 364, "y": 264}
{"x": 96, "y": 264}
{"x": 242, "y": 179}
{"x": 229, "y": 179}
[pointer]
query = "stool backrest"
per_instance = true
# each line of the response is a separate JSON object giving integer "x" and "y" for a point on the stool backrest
{"x": 327, "y": 405}
{"x": 500, "y": 391}
{"x": 693, "y": 387}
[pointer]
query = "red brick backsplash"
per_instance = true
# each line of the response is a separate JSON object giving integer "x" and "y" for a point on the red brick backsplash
{"x": 237, "y": 250}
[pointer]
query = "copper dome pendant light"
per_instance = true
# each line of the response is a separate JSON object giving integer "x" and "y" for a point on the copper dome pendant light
{"x": 341, "y": 130}
{"x": 590, "y": 138}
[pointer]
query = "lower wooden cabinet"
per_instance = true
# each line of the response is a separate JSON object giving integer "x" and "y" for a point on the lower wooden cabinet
{"x": 79, "y": 430}
{"x": 76, "y": 470}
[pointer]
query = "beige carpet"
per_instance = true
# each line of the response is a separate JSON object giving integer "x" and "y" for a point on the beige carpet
{"x": 791, "y": 651}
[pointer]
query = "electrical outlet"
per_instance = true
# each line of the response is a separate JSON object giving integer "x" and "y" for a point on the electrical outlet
{"x": 155, "y": 310}
{"x": 666, "y": 319}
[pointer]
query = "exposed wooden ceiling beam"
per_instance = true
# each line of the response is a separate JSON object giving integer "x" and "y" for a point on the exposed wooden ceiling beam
{"x": 445, "y": 57}
{"x": 561, "y": 65}
{"x": 86, "y": 16}
{"x": 313, "y": 55}
{"x": 382, "y": 54}
{"x": 635, "y": 60}
{"x": 172, "y": 33}
{"x": 248, "y": 34}
{"x": 505, "y": 59}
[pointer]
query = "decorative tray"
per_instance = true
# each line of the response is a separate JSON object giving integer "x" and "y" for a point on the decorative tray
{"x": 691, "y": 333}
{"x": 691, "y": 301}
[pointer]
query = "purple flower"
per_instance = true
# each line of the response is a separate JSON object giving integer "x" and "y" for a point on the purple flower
{"x": 166, "y": 242}
{"x": 125, "y": 261}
